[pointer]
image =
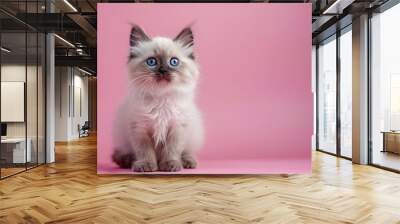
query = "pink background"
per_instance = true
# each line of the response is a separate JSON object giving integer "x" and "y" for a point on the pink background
{"x": 255, "y": 85}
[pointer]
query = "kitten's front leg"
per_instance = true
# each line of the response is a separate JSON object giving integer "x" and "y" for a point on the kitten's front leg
{"x": 145, "y": 156}
{"x": 189, "y": 160}
{"x": 170, "y": 154}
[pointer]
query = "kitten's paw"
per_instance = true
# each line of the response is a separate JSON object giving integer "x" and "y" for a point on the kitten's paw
{"x": 189, "y": 162}
{"x": 170, "y": 166}
{"x": 144, "y": 166}
{"x": 123, "y": 160}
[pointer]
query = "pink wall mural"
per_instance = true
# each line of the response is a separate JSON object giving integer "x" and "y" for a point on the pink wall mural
{"x": 254, "y": 90}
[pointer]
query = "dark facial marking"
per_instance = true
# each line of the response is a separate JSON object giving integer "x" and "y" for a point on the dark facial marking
{"x": 163, "y": 73}
{"x": 191, "y": 56}
{"x": 131, "y": 56}
{"x": 162, "y": 70}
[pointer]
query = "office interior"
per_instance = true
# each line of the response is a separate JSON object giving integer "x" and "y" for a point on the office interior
{"x": 48, "y": 94}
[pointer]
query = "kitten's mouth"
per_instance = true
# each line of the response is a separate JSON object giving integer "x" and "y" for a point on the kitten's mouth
{"x": 163, "y": 78}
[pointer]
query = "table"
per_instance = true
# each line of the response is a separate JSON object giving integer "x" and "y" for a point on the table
{"x": 13, "y": 150}
{"x": 391, "y": 141}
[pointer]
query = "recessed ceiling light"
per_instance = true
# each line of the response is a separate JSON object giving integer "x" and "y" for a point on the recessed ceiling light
{"x": 70, "y": 5}
{"x": 337, "y": 7}
{"x": 5, "y": 50}
{"x": 84, "y": 71}
{"x": 64, "y": 40}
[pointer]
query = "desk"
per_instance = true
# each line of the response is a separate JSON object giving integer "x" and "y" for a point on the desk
{"x": 391, "y": 141}
{"x": 13, "y": 150}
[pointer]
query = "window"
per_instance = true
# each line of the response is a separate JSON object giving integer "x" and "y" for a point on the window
{"x": 327, "y": 95}
{"x": 346, "y": 93}
{"x": 333, "y": 137}
{"x": 385, "y": 89}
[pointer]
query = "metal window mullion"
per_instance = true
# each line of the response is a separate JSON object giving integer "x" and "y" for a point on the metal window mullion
{"x": 45, "y": 94}
{"x": 26, "y": 87}
{"x": 369, "y": 96}
{"x": 37, "y": 91}
{"x": 338, "y": 94}
{"x": 317, "y": 96}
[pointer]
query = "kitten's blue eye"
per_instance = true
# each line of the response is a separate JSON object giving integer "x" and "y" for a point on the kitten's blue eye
{"x": 174, "y": 62}
{"x": 151, "y": 62}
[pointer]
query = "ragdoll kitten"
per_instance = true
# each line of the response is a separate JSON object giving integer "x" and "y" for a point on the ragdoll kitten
{"x": 158, "y": 126}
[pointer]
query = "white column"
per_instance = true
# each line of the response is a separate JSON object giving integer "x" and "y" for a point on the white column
{"x": 50, "y": 92}
{"x": 360, "y": 90}
{"x": 50, "y": 110}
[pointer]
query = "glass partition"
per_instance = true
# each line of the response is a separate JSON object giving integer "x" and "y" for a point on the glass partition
{"x": 22, "y": 88}
{"x": 31, "y": 99}
{"x": 14, "y": 153}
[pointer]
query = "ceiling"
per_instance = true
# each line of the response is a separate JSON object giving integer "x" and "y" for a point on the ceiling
{"x": 75, "y": 22}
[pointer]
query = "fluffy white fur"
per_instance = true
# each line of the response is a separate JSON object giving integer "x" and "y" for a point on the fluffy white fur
{"x": 158, "y": 126}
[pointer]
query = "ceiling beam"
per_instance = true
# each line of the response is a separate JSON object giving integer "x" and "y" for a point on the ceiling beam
{"x": 85, "y": 61}
{"x": 84, "y": 24}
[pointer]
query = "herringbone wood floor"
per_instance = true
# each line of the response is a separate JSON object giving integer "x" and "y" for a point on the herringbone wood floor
{"x": 69, "y": 191}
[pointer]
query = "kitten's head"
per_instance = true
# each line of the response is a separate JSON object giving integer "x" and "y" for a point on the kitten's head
{"x": 161, "y": 64}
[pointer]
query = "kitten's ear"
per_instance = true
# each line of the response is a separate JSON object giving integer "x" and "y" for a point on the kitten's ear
{"x": 185, "y": 37}
{"x": 137, "y": 35}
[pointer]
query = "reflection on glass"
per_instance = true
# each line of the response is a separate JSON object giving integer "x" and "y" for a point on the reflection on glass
{"x": 386, "y": 89}
{"x": 346, "y": 94}
{"x": 14, "y": 153}
{"x": 31, "y": 100}
{"x": 327, "y": 96}
{"x": 41, "y": 99}
{"x": 22, "y": 90}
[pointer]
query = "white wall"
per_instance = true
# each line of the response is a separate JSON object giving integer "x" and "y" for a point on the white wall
{"x": 62, "y": 81}
{"x": 15, "y": 72}
{"x": 71, "y": 93}
{"x": 80, "y": 105}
